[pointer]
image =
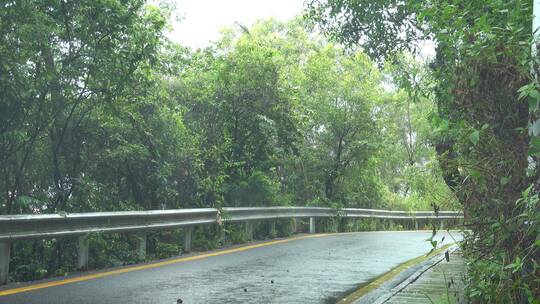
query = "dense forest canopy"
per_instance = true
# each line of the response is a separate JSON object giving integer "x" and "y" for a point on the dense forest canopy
{"x": 101, "y": 112}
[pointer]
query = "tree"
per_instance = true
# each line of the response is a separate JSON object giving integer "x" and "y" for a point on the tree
{"x": 246, "y": 119}
{"x": 61, "y": 61}
{"x": 339, "y": 91}
{"x": 407, "y": 162}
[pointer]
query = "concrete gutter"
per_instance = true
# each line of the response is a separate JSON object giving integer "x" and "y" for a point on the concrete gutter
{"x": 387, "y": 285}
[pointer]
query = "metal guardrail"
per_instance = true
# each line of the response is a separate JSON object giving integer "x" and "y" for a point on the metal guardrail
{"x": 15, "y": 227}
{"x": 39, "y": 226}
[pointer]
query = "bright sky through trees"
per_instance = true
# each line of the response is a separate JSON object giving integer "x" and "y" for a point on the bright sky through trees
{"x": 202, "y": 19}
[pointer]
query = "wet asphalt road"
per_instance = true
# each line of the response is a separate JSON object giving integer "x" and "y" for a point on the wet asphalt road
{"x": 310, "y": 270}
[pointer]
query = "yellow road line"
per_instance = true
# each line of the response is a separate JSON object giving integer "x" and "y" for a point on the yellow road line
{"x": 360, "y": 292}
{"x": 149, "y": 266}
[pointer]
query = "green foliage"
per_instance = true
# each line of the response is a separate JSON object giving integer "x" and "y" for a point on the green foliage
{"x": 257, "y": 190}
{"x": 206, "y": 237}
{"x": 38, "y": 259}
{"x": 513, "y": 270}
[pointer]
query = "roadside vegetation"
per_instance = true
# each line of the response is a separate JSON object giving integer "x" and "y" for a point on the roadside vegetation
{"x": 486, "y": 127}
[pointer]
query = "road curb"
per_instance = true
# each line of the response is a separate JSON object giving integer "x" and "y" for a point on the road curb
{"x": 385, "y": 286}
{"x": 402, "y": 280}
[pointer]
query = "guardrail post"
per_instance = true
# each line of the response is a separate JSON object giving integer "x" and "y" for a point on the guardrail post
{"x": 416, "y": 224}
{"x": 272, "y": 228}
{"x": 82, "y": 252}
{"x": 442, "y": 224}
{"x": 311, "y": 225}
{"x": 222, "y": 236}
{"x": 5, "y": 248}
{"x": 141, "y": 245}
{"x": 249, "y": 230}
{"x": 294, "y": 225}
{"x": 187, "y": 239}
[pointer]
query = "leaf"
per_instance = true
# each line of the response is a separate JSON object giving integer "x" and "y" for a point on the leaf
{"x": 534, "y": 94}
{"x": 475, "y": 174}
{"x": 534, "y": 99}
{"x": 527, "y": 192}
{"x": 509, "y": 266}
{"x": 26, "y": 201}
{"x": 474, "y": 137}
{"x": 504, "y": 180}
{"x": 534, "y": 145}
{"x": 533, "y": 104}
